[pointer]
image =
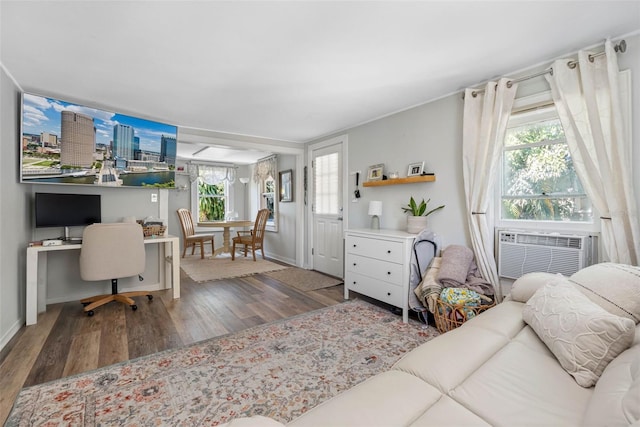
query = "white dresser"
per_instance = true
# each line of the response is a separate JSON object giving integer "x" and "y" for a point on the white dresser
{"x": 377, "y": 265}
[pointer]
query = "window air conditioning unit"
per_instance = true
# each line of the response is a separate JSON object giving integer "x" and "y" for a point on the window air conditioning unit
{"x": 522, "y": 252}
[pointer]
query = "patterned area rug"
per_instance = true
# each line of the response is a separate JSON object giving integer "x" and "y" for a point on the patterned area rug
{"x": 221, "y": 267}
{"x": 279, "y": 370}
{"x": 304, "y": 280}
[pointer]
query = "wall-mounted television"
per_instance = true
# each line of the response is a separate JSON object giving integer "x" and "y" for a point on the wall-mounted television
{"x": 66, "y": 143}
{"x": 66, "y": 210}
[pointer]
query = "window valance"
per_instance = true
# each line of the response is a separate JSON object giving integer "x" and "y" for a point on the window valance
{"x": 212, "y": 174}
{"x": 265, "y": 168}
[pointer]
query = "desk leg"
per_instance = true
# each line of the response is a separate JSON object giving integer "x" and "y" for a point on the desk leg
{"x": 175, "y": 268}
{"x": 31, "y": 311}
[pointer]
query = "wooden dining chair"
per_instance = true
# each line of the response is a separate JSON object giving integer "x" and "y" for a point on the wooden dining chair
{"x": 189, "y": 236}
{"x": 254, "y": 238}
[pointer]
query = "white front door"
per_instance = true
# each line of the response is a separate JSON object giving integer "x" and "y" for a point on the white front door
{"x": 327, "y": 209}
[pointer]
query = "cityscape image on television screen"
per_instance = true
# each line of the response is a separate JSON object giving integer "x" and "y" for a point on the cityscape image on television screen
{"x": 66, "y": 143}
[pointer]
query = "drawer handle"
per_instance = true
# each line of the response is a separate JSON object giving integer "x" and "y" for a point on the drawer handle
{"x": 389, "y": 251}
{"x": 389, "y": 273}
{"x": 354, "y": 282}
{"x": 389, "y": 294}
{"x": 354, "y": 245}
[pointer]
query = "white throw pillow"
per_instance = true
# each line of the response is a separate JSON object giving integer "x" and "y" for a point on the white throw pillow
{"x": 614, "y": 287}
{"x": 582, "y": 335}
{"x": 527, "y": 285}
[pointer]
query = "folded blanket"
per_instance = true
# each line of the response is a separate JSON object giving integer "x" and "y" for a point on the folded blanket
{"x": 454, "y": 268}
{"x": 477, "y": 283}
{"x": 429, "y": 289}
{"x": 458, "y": 270}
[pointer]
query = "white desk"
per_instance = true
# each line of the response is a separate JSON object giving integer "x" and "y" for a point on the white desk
{"x": 37, "y": 271}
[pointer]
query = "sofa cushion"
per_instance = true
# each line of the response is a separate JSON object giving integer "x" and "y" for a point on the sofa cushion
{"x": 448, "y": 360}
{"x": 448, "y": 412}
{"x": 519, "y": 387}
{"x": 616, "y": 397}
{"x": 582, "y": 335}
{"x": 527, "y": 285}
{"x": 614, "y": 287}
{"x": 389, "y": 398}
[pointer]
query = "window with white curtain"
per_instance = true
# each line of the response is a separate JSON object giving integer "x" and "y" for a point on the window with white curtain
{"x": 264, "y": 174}
{"x": 211, "y": 199}
{"x": 326, "y": 189}
{"x": 539, "y": 182}
{"x": 268, "y": 201}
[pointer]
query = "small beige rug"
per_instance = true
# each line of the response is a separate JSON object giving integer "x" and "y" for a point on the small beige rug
{"x": 216, "y": 268}
{"x": 304, "y": 280}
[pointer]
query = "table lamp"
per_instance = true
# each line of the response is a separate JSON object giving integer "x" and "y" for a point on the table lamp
{"x": 375, "y": 210}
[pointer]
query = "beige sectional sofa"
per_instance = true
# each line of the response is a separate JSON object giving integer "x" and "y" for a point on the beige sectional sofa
{"x": 496, "y": 369}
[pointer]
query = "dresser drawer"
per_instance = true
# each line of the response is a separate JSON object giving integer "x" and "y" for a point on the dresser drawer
{"x": 385, "y": 250}
{"x": 382, "y": 270}
{"x": 374, "y": 288}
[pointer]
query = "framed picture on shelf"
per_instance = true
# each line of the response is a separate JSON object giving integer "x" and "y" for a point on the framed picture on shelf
{"x": 375, "y": 172}
{"x": 286, "y": 181}
{"x": 415, "y": 169}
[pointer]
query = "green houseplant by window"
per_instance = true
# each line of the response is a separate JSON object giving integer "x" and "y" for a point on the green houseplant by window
{"x": 417, "y": 219}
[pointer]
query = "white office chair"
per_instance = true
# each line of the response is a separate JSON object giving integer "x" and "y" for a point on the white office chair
{"x": 109, "y": 252}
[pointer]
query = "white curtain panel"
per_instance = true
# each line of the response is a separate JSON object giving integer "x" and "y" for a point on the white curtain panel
{"x": 588, "y": 101}
{"x": 485, "y": 122}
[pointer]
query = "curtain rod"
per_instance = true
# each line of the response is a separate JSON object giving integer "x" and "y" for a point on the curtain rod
{"x": 269, "y": 157}
{"x": 214, "y": 164}
{"x": 620, "y": 47}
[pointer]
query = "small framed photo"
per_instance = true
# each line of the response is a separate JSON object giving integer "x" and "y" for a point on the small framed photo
{"x": 375, "y": 172}
{"x": 415, "y": 169}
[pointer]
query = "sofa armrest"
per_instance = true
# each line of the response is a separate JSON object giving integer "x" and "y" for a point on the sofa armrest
{"x": 524, "y": 287}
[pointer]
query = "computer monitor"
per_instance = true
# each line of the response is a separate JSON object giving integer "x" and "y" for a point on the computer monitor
{"x": 66, "y": 210}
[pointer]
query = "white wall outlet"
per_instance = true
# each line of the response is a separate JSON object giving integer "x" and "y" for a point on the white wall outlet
{"x": 154, "y": 198}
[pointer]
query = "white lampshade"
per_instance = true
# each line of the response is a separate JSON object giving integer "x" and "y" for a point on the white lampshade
{"x": 375, "y": 207}
{"x": 244, "y": 180}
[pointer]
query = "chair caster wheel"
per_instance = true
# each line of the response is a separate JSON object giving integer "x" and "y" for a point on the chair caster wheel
{"x": 134, "y": 307}
{"x": 90, "y": 313}
{"x": 84, "y": 304}
{"x": 150, "y": 297}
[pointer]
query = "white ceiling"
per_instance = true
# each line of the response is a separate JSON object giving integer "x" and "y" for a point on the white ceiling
{"x": 286, "y": 70}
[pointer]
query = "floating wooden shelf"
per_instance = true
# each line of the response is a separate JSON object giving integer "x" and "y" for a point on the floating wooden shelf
{"x": 407, "y": 180}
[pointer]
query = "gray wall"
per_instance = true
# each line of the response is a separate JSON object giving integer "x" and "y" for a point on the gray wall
{"x": 282, "y": 245}
{"x": 431, "y": 133}
{"x": 14, "y": 214}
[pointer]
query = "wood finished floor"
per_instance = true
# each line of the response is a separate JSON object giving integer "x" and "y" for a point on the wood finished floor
{"x": 65, "y": 341}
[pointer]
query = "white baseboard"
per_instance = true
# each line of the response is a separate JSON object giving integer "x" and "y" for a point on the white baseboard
{"x": 11, "y": 332}
{"x": 286, "y": 260}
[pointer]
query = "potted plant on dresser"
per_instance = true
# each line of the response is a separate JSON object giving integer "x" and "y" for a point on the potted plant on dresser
{"x": 417, "y": 219}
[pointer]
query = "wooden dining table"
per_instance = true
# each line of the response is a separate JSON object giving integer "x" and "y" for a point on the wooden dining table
{"x": 226, "y": 233}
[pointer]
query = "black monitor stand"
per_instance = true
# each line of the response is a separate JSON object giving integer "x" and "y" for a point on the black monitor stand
{"x": 67, "y": 238}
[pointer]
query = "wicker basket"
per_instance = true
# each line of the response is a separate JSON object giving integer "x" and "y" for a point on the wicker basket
{"x": 449, "y": 316}
{"x": 152, "y": 230}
